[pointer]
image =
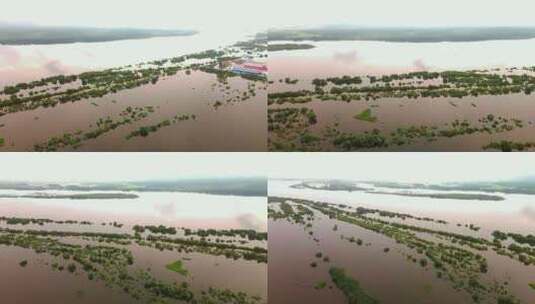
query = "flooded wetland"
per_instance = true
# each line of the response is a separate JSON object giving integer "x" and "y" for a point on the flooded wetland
{"x": 373, "y": 244}
{"x": 187, "y": 101}
{"x": 338, "y": 94}
{"x": 119, "y": 246}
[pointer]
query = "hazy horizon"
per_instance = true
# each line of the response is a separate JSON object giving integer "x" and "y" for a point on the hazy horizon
{"x": 403, "y": 13}
{"x": 402, "y": 167}
{"x": 125, "y": 167}
{"x": 202, "y": 15}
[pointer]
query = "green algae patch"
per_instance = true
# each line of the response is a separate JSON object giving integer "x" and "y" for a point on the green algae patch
{"x": 178, "y": 267}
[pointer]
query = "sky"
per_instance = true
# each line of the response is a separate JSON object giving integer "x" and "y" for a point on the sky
{"x": 256, "y": 14}
{"x": 402, "y": 13}
{"x": 103, "y": 167}
{"x": 174, "y": 14}
{"x": 402, "y": 167}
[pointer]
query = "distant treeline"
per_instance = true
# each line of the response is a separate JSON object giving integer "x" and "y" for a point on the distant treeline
{"x": 523, "y": 185}
{"x": 288, "y": 47}
{"x": 79, "y": 196}
{"x": 403, "y": 34}
{"x": 239, "y": 186}
{"x": 21, "y": 35}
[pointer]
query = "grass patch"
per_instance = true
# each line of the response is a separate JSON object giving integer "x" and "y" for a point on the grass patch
{"x": 178, "y": 266}
{"x": 366, "y": 115}
{"x": 350, "y": 287}
{"x": 532, "y": 285}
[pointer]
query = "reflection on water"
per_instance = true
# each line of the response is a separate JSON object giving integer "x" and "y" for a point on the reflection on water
{"x": 333, "y": 58}
{"x": 30, "y": 62}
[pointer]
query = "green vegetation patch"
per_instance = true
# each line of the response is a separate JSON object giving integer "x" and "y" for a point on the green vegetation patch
{"x": 366, "y": 115}
{"x": 509, "y": 146}
{"x": 178, "y": 267}
{"x": 146, "y": 130}
{"x": 103, "y": 125}
{"x": 350, "y": 287}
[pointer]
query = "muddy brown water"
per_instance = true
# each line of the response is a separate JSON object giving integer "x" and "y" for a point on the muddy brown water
{"x": 396, "y": 113}
{"x": 236, "y": 126}
{"x": 48, "y": 286}
{"x": 38, "y": 283}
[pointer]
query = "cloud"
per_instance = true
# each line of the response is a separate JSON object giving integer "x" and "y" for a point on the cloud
{"x": 346, "y": 57}
{"x": 420, "y": 65}
{"x": 250, "y": 221}
{"x": 529, "y": 213}
{"x": 55, "y": 67}
{"x": 164, "y": 210}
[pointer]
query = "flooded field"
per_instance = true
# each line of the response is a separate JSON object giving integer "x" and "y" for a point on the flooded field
{"x": 215, "y": 127}
{"x": 181, "y": 98}
{"x": 161, "y": 247}
{"x": 379, "y": 248}
{"x": 360, "y": 95}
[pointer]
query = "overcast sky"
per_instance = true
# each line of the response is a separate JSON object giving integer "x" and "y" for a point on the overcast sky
{"x": 402, "y": 167}
{"x": 402, "y": 12}
{"x": 79, "y": 167}
{"x": 191, "y": 14}
{"x": 254, "y": 14}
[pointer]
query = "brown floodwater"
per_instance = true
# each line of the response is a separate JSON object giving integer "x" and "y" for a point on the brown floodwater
{"x": 48, "y": 286}
{"x": 233, "y": 126}
{"x": 396, "y": 113}
{"x": 37, "y": 283}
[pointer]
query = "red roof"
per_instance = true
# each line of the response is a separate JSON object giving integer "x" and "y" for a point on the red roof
{"x": 258, "y": 67}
